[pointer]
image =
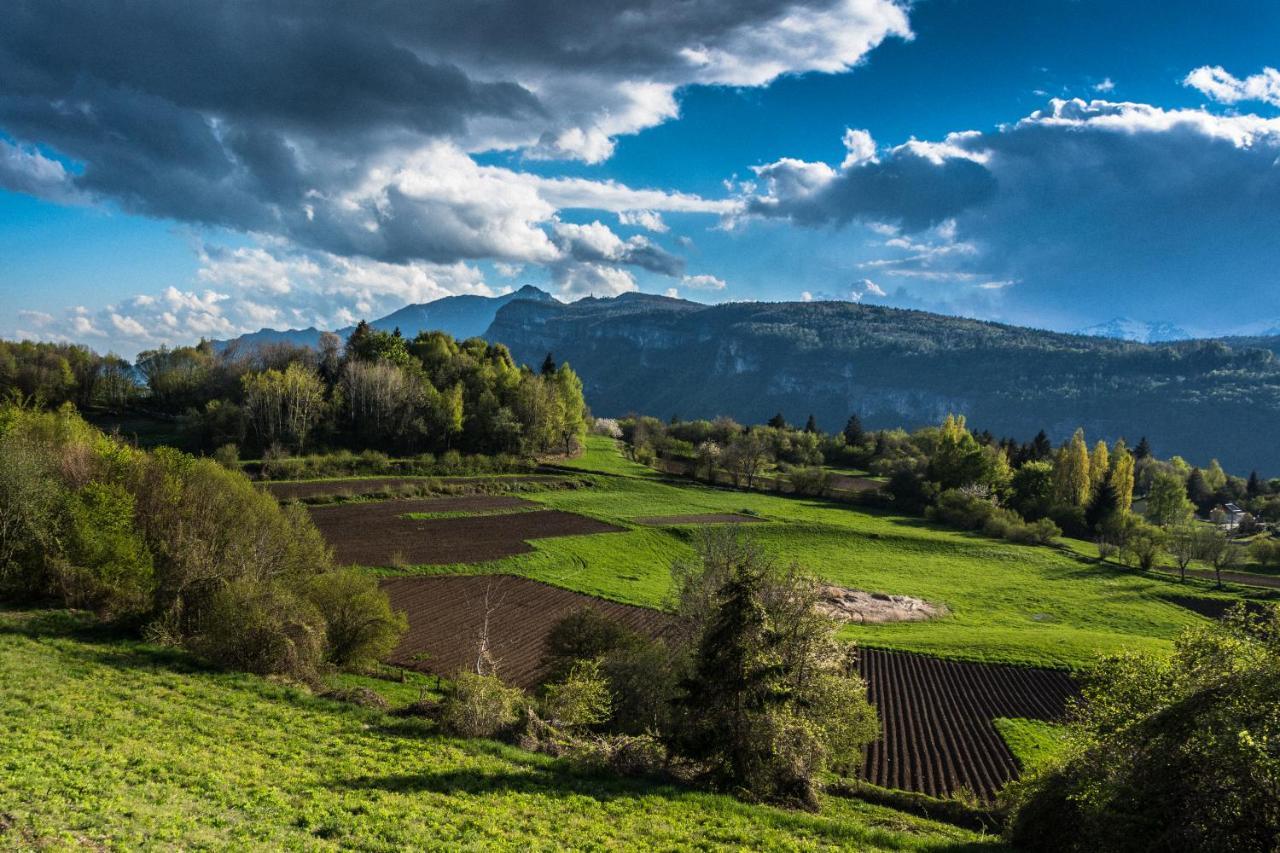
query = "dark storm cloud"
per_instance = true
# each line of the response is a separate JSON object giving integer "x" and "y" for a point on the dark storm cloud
{"x": 1094, "y": 209}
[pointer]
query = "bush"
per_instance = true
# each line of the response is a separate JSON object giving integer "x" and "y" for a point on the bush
{"x": 585, "y": 634}
{"x": 582, "y": 699}
{"x": 643, "y": 677}
{"x": 360, "y": 624}
{"x": 261, "y": 628}
{"x": 809, "y": 481}
{"x": 480, "y": 706}
{"x": 624, "y": 755}
{"x": 1168, "y": 753}
{"x": 228, "y": 456}
{"x": 1266, "y": 552}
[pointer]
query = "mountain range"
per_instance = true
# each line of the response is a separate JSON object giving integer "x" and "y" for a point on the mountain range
{"x": 1142, "y": 331}
{"x": 894, "y": 367}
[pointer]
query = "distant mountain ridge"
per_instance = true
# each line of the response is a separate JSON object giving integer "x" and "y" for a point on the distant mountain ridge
{"x": 1140, "y": 331}
{"x": 463, "y": 316}
{"x": 895, "y": 367}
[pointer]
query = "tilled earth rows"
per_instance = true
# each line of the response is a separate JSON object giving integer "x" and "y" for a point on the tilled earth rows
{"x": 935, "y": 715}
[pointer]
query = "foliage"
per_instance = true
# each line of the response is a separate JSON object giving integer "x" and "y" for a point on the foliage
{"x": 580, "y": 699}
{"x": 480, "y": 705}
{"x": 259, "y": 628}
{"x": 361, "y": 627}
{"x": 1167, "y": 502}
{"x": 1169, "y": 754}
{"x": 583, "y": 635}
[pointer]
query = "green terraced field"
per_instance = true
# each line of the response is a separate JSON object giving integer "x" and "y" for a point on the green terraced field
{"x": 1013, "y": 603}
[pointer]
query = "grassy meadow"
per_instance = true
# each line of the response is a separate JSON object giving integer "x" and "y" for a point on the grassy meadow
{"x": 1010, "y": 603}
{"x": 111, "y": 744}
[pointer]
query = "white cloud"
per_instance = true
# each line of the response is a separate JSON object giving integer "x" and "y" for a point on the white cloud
{"x": 23, "y": 169}
{"x": 650, "y": 220}
{"x": 703, "y": 282}
{"x": 591, "y": 279}
{"x": 1216, "y": 83}
{"x": 1106, "y": 85}
{"x": 806, "y": 296}
{"x": 673, "y": 293}
{"x": 859, "y": 148}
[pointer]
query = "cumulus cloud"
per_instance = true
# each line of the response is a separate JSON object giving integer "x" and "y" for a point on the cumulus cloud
{"x": 591, "y": 279}
{"x": 650, "y": 220}
{"x": 1089, "y": 206}
{"x": 1217, "y": 83}
{"x": 596, "y": 243}
{"x": 703, "y": 282}
{"x": 1105, "y": 85}
{"x": 352, "y": 131}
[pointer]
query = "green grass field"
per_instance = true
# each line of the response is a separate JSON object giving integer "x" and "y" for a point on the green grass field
{"x": 1012, "y": 603}
{"x": 111, "y": 744}
{"x": 1032, "y": 742}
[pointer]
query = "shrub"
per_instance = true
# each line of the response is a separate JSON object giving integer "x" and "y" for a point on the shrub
{"x": 1168, "y": 753}
{"x": 643, "y": 678}
{"x": 262, "y": 628}
{"x": 624, "y": 755}
{"x": 1266, "y": 552}
{"x": 581, "y": 699}
{"x": 480, "y": 706}
{"x": 809, "y": 480}
{"x": 228, "y": 456}
{"x": 360, "y": 624}
{"x": 585, "y": 634}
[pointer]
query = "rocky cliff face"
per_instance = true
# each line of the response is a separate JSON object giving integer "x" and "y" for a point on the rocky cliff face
{"x": 665, "y": 356}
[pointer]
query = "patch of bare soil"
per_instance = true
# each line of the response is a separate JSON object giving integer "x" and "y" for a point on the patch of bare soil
{"x": 378, "y": 534}
{"x": 450, "y": 614}
{"x": 875, "y": 608}
{"x": 704, "y": 518}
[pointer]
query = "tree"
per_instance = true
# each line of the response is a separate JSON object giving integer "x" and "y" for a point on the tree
{"x": 572, "y": 407}
{"x": 284, "y": 406}
{"x": 853, "y": 432}
{"x": 1214, "y": 477}
{"x": 1217, "y": 549}
{"x": 1143, "y": 450}
{"x": 1071, "y": 472}
{"x": 1041, "y": 448}
{"x": 1184, "y": 544}
{"x": 1255, "y": 485}
{"x": 1121, "y": 479}
{"x": 707, "y": 458}
{"x": 777, "y": 421}
{"x": 1167, "y": 502}
{"x": 548, "y": 366}
{"x": 811, "y": 425}
{"x": 1105, "y": 503}
{"x": 1032, "y": 487}
{"x": 1099, "y": 465}
{"x": 1198, "y": 490}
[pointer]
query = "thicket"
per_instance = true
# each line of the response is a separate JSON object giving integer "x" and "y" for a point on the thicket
{"x": 178, "y": 547}
{"x": 1180, "y": 753}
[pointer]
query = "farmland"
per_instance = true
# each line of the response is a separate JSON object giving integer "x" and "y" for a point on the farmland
{"x": 1008, "y": 603}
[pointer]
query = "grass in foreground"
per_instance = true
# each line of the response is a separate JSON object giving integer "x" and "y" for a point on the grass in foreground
{"x": 114, "y": 744}
{"x": 1011, "y": 603}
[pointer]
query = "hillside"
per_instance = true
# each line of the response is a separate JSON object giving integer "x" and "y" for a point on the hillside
{"x": 107, "y": 743}
{"x": 895, "y": 367}
{"x": 463, "y": 317}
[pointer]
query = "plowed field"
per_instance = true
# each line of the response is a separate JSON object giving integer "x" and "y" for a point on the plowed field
{"x": 378, "y": 534}
{"x": 447, "y": 614}
{"x": 936, "y": 715}
{"x": 301, "y": 490}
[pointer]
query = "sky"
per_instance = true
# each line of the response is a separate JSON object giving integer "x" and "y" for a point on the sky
{"x": 176, "y": 171}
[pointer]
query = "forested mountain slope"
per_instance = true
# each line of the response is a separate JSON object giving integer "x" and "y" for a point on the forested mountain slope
{"x": 896, "y": 367}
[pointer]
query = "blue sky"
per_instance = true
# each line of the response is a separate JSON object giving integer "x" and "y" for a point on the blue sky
{"x": 160, "y": 181}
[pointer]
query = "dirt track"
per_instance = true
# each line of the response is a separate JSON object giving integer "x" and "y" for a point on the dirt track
{"x": 377, "y": 534}
{"x": 446, "y": 613}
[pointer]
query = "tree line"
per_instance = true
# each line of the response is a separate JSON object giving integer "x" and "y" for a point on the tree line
{"x": 377, "y": 390}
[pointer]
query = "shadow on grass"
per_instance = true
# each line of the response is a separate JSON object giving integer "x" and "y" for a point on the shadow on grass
{"x": 553, "y": 781}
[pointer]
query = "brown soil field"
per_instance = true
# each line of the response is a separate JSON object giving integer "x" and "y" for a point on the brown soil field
{"x": 301, "y": 490}
{"x": 1212, "y": 608}
{"x": 377, "y": 534}
{"x": 935, "y": 716}
{"x": 447, "y": 613}
{"x": 705, "y": 518}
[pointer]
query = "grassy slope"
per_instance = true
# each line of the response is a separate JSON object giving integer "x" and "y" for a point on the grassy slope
{"x": 113, "y": 744}
{"x": 1009, "y": 602}
{"x": 1033, "y": 742}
